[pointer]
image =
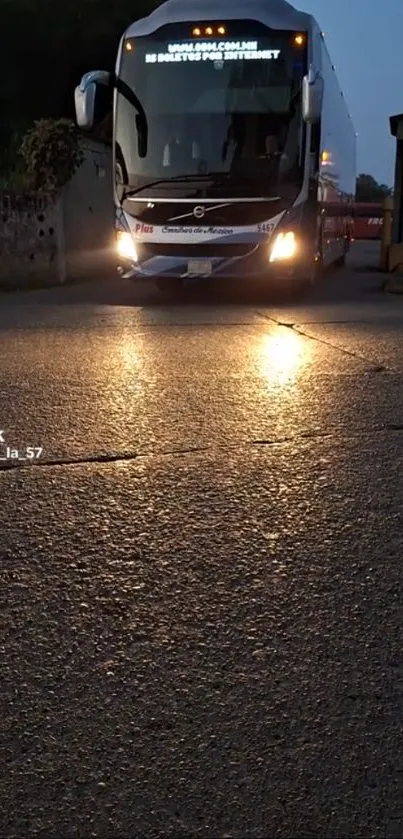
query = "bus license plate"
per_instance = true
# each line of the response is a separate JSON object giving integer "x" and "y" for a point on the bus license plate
{"x": 200, "y": 267}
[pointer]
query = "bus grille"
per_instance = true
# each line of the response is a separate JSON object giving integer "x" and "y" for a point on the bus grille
{"x": 225, "y": 251}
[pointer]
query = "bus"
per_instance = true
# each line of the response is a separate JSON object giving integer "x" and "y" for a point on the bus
{"x": 368, "y": 221}
{"x": 234, "y": 149}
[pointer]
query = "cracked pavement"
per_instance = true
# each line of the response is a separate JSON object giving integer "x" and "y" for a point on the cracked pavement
{"x": 201, "y": 584}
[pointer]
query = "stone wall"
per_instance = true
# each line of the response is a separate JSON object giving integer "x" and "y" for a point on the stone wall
{"x": 46, "y": 242}
{"x": 29, "y": 240}
{"x": 88, "y": 217}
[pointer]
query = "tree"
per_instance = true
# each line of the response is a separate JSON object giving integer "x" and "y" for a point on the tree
{"x": 369, "y": 191}
{"x": 51, "y": 152}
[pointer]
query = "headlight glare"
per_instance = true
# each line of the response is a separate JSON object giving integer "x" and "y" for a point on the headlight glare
{"x": 125, "y": 246}
{"x": 284, "y": 247}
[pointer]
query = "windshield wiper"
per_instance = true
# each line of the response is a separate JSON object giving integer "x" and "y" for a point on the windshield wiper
{"x": 208, "y": 176}
{"x": 141, "y": 117}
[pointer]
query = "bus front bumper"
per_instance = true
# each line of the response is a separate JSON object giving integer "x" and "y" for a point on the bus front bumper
{"x": 254, "y": 264}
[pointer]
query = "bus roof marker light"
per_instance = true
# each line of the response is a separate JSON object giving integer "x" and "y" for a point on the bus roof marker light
{"x": 196, "y": 32}
{"x": 299, "y": 40}
{"x": 221, "y": 30}
{"x": 129, "y": 46}
{"x": 209, "y": 30}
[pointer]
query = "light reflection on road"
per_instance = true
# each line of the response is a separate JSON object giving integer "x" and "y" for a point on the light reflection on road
{"x": 132, "y": 353}
{"x": 282, "y": 356}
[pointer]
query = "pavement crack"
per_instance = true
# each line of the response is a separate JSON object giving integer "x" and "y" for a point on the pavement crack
{"x": 343, "y": 322}
{"x": 192, "y": 324}
{"x": 305, "y": 435}
{"x": 87, "y": 459}
{"x": 237, "y": 447}
{"x": 294, "y": 327}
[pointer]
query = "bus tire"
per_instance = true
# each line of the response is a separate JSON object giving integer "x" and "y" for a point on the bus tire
{"x": 317, "y": 271}
{"x": 314, "y": 275}
{"x": 341, "y": 261}
{"x": 169, "y": 286}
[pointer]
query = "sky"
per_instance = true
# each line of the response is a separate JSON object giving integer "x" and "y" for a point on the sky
{"x": 365, "y": 42}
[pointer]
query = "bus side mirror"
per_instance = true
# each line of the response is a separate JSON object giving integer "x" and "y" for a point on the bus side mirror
{"x": 85, "y": 96}
{"x": 312, "y": 96}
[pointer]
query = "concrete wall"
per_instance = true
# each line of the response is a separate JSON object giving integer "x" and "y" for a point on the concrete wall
{"x": 88, "y": 217}
{"x": 43, "y": 242}
{"x": 29, "y": 240}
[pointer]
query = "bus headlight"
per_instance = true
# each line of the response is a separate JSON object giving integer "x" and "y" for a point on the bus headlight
{"x": 125, "y": 246}
{"x": 284, "y": 247}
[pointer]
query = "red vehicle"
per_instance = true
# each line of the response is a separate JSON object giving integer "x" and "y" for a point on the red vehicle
{"x": 368, "y": 221}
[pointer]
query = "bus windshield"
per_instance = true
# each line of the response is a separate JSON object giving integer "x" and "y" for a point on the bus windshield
{"x": 227, "y": 105}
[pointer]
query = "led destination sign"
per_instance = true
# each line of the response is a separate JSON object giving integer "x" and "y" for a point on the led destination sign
{"x": 212, "y": 51}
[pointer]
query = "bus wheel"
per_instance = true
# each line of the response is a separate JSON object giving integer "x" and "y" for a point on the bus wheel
{"x": 314, "y": 275}
{"x": 341, "y": 261}
{"x": 169, "y": 286}
{"x": 317, "y": 271}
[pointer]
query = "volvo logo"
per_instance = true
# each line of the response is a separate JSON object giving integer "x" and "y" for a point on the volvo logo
{"x": 199, "y": 212}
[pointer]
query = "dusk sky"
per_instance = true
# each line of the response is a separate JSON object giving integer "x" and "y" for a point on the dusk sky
{"x": 364, "y": 38}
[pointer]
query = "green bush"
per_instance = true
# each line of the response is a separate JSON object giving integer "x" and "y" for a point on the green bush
{"x": 51, "y": 154}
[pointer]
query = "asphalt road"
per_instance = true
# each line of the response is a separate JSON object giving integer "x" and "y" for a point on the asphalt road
{"x": 201, "y": 576}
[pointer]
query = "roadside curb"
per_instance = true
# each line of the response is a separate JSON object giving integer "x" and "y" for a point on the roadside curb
{"x": 32, "y": 285}
{"x": 394, "y": 286}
